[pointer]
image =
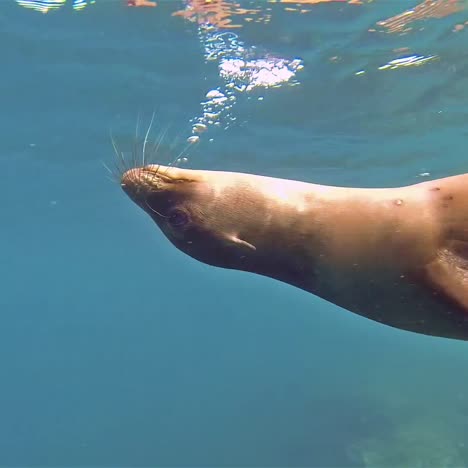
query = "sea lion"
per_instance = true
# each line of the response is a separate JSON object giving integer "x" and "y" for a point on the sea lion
{"x": 398, "y": 256}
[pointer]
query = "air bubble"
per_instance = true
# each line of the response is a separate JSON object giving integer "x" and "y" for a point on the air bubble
{"x": 214, "y": 93}
{"x": 199, "y": 128}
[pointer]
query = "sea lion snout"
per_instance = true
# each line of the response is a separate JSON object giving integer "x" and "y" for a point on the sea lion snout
{"x": 131, "y": 183}
{"x": 139, "y": 181}
{"x": 127, "y": 182}
{"x": 135, "y": 178}
{"x": 158, "y": 190}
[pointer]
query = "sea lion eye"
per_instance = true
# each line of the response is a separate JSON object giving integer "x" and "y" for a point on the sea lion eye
{"x": 178, "y": 218}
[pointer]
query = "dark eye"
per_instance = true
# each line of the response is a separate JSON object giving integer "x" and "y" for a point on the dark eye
{"x": 178, "y": 218}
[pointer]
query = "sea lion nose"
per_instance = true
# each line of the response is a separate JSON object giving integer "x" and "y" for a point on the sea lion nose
{"x": 130, "y": 181}
{"x": 130, "y": 178}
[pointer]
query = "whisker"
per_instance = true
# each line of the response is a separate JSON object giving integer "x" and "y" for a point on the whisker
{"x": 118, "y": 170}
{"x": 146, "y": 138}
{"x": 158, "y": 141}
{"x": 154, "y": 211}
{"x": 135, "y": 142}
{"x": 137, "y": 125}
{"x": 112, "y": 173}
{"x": 181, "y": 153}
{"x": 156, "y": 146}
{"x": 120, "y": 157}
{"x": 111, "y": 179}
{"x": 175, "y": 142}
{"x": 151, "y": 152}
{"x": 134, "y": 156}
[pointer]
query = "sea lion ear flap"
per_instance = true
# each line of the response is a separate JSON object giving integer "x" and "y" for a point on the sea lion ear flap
{"x": 242, "y": 243}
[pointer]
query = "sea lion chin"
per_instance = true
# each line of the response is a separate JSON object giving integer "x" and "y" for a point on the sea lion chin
{"x": 398, "y": 256}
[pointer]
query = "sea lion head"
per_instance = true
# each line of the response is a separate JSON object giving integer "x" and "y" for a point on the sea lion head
{"x": 195, "y": 210}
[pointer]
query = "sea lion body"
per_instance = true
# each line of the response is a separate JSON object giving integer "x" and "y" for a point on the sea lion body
{"x": 398, "y": 256}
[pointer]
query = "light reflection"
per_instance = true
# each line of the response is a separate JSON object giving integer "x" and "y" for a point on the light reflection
{"x": 141, "y": 3}
{"x": 241, "y": 67}
{"x": 402, "y": 22}
{"x": 409, "y": 61}
{"x": 220, "y": 13}
{"x": 216, "y": 12}
{"x": 300, "y": 5}
{"x": 316, "y": 2}
{"x": 44, "y": 6}
{"x": 246, "y": 75}
{"x": 404, "y": 62}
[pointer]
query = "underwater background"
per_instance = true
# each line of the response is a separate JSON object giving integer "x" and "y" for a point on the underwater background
{"x": 118, "y": 350}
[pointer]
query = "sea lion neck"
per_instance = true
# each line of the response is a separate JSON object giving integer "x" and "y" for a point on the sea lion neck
{"x": 275, "y": 217}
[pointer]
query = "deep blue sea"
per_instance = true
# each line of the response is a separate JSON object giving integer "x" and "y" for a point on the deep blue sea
{"x": 118, "y": 350}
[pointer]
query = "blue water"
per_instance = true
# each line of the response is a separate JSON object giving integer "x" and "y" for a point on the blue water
{"x": 118, "y": 350}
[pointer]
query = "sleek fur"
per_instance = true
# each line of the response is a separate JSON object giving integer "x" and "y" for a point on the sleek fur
{"x": 398, "y": 256}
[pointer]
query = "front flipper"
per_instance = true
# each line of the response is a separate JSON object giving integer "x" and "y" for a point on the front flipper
{"x": 448, "y": 273}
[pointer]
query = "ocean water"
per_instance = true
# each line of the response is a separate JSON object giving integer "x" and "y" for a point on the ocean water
{"x": 118, "y": 350}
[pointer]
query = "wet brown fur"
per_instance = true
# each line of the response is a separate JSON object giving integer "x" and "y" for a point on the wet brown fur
{"x": 398, "y": 256}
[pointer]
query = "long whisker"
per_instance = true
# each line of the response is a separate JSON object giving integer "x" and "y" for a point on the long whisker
{"x": 156, "y": 145}
{"x": 179, "y": 156}
{"x": 158, "y": 141}
{"x": 137, "y": 125}
{"x": 118, "y": 170}
{"x": 112, "y": 176}
{"x": 181, "y": 153}
{"x": 120, "y": 158}
{"x": 112, "y": 173}
{"x": 135, "y": 143}
{"x": 146, "y": 138}
{"x": 154, "y": 211}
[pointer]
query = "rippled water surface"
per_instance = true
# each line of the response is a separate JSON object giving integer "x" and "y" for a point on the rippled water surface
{"x": 118, "y": 350}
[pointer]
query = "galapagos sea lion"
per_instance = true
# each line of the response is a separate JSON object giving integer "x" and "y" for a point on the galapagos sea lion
{"x": 398, "y": 256}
